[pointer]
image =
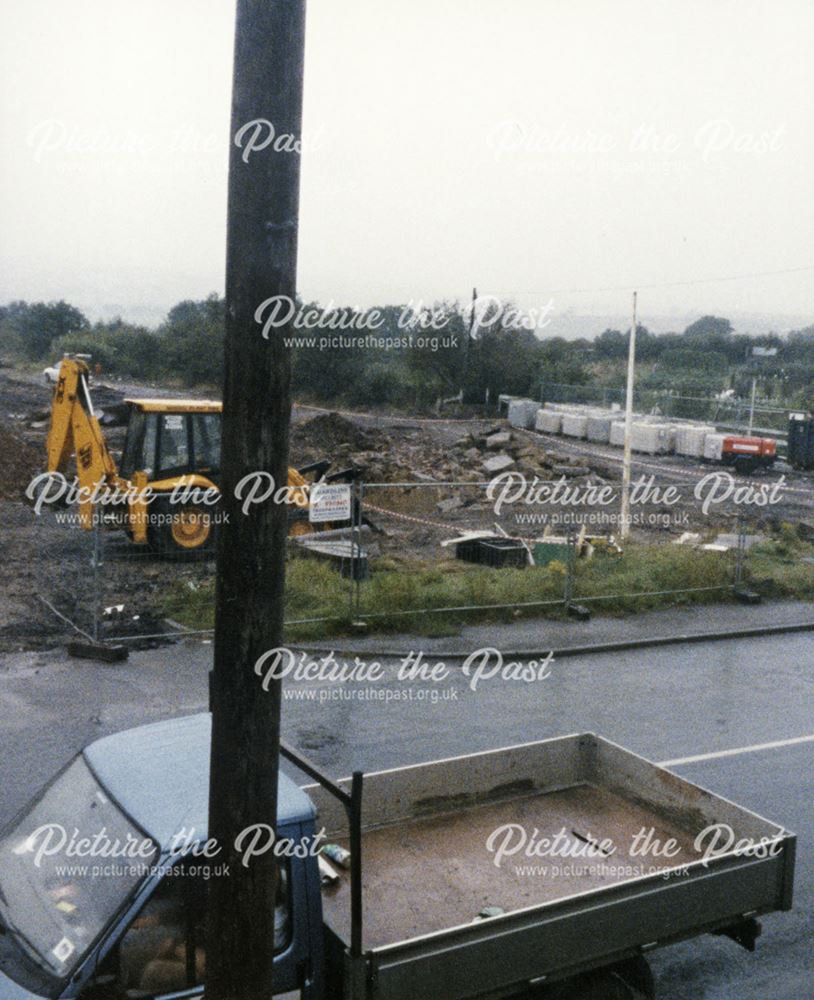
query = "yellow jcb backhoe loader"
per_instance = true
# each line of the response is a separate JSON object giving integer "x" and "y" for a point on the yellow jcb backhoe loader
{"x": 165, "y": 493}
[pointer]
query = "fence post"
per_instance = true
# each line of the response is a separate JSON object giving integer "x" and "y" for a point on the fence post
{"x": 96, "y": 562}
{"x": 740, "y": 553}
{"x": 355, "y": 583}
{"x": 354, "y": 502}
{"x": 569, "y": 570}
{"x": 358, "y": 581}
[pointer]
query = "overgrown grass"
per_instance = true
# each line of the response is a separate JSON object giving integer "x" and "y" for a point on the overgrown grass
{"x": 645, "y": 577}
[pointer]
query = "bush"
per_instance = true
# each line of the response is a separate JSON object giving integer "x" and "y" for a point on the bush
{"x": 33, "y": 327}
{"x": 119, "y": 348}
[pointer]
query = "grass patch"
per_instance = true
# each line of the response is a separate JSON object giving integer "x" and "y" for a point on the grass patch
{"x": 643, "y": 578}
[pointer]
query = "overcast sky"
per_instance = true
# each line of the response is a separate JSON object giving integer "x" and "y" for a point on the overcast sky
{"x": 542, "y": 150}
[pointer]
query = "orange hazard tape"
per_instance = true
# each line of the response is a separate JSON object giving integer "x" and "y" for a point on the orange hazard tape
{"x": 436, "y": 524}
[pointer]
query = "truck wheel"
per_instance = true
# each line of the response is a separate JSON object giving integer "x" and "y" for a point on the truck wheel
{"x": 743, "y": 466}
{"x": 185, "y": 532}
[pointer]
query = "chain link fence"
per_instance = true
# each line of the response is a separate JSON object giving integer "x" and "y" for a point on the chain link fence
{"x": 455, "y": 550}
{"x": 418, "y": 556}
{"x": 64, "y": 599}
{"x": 728, "y": 414}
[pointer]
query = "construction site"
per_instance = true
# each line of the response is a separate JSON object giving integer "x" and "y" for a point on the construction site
{"x": 455, "y": 520}
{"x": 406, "y": 501}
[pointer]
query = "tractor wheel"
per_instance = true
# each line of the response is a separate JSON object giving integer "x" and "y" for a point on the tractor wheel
{"x": 185, "y": 532}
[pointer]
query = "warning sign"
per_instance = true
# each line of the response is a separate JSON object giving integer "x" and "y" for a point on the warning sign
{"x": 329, "y": 502}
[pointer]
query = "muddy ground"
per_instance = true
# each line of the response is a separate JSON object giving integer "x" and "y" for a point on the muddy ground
{"x": 48, "y": 565}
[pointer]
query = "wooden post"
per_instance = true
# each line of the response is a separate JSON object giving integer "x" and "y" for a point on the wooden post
{"x": 624, "y": 528}
{"x": 261, "y": 262}
{"x": 468, "y": 347}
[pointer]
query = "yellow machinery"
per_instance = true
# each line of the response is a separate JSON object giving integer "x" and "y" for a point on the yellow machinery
{"x": 165, "y": 492}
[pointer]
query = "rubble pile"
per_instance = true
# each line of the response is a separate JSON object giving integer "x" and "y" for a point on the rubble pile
{"x": 323, "y": 435}
{"x": 409, "y": 455}
{"x": 499, "y": 450}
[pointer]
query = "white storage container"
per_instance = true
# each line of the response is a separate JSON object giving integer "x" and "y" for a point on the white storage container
{"x": 617, "y": 430}
{"x": 548, "y": 421}
{"x": 599, "y": 427}
{"x": 690, "y": 439}
{"x": 574, "y": 425}
{"x": 617, "y": 433}
{"x": 714, "y": 447}
{"x": 652, "y": 439}
{"x": 522, "y": 412}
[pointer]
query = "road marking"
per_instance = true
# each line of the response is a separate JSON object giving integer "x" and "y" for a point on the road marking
{"x": 738, "y": 750}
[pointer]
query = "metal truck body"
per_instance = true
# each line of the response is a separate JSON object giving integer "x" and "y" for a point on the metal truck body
{"x": 407, "y": 921}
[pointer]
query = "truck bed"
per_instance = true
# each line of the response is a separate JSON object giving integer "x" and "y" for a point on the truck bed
{"x": 427, "y": 872}
{"x": 425, "y": 875}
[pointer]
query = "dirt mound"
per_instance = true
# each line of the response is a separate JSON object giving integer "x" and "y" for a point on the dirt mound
{"x": 327, "y": 433}
{"x": 20, "y": 461}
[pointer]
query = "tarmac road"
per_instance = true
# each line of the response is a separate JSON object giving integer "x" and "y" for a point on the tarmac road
{"x": 778, "y": 784}
{"x": 665, "y": 703}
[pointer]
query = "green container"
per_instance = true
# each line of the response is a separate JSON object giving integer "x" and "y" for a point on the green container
{"x": 548, "y": 552}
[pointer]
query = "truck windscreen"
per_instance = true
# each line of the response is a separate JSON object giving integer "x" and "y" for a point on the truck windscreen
{"x": 66, "y": 868}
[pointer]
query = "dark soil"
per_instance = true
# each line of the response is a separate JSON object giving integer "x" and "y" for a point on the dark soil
{"x": 322, "y": 436}
{"x": 20, "y": 461}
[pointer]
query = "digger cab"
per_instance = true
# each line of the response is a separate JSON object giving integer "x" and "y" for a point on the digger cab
{"x": 177, "y": 442}
{"x": 167, "y": 438}
{"x": 175, "y": 445}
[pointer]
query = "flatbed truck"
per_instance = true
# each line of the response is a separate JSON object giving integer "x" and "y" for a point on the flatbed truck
{"x": 438, "y": 902}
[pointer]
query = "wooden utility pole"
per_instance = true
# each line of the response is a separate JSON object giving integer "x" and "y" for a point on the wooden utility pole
{"x": 468, "y": 346}
{"x": 624, "y": 527}
{"x": 261, "y": 262}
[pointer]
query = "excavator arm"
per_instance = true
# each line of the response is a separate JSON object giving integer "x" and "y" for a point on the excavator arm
{"x": 75, "y": 430}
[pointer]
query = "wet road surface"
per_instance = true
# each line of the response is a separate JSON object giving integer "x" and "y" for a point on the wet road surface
{"x": 663, "y": 703}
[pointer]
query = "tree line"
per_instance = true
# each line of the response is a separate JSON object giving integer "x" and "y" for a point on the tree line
{"x": 706, "y": 358}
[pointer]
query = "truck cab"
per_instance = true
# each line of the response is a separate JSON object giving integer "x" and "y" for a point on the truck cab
{"x": 103, "y": 891}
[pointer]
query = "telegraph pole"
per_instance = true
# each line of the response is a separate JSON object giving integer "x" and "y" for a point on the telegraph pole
{"x": 260, "y": 262}
{"x": 468, "y": 345}
{"x": 624, "y": 528}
